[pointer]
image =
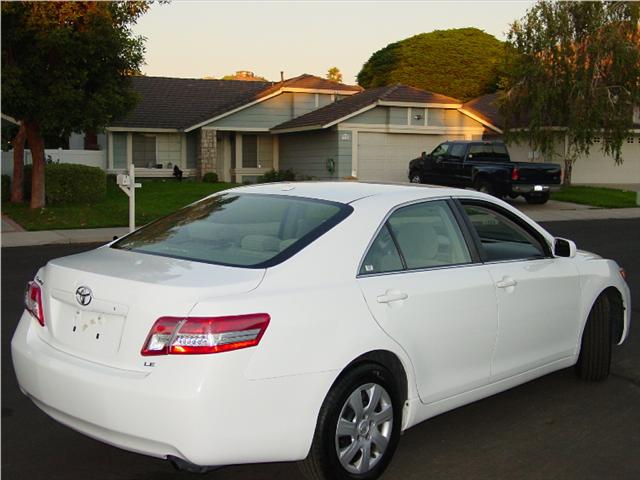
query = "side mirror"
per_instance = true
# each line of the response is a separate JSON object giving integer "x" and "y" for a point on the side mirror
{"x": 564, "y": 248}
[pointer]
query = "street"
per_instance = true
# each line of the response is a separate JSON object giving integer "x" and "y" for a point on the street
{"x": 556, "y": 427}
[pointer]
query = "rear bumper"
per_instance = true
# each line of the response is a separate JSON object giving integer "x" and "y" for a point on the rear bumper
{"x": 201, "y": 409}
{"x": 534, "y": 188}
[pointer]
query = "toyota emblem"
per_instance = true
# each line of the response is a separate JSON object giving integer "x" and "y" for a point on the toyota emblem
{"x": 84, "y": 296}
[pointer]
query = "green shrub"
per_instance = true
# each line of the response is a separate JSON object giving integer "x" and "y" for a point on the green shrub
{"x": 277, "y": 176}
{"x": 69, "y": 183}
{"x": 6, "y": 187}
{"x": 210, "y": 177}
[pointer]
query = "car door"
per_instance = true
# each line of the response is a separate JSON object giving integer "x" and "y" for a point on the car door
{"x": 538, "y": 294}
{"x": 427, "y": 291}
{"x": 451, "y": 164}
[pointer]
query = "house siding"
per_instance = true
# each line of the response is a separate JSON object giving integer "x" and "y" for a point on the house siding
{"x": 421, "y": 112}
{"x": 307, "y": 153}
{"x": 435, "y": 117}
{"x": 398, "y": 116}
{"x": 266, "y": 114}
{"x": 375, "y": 116}
{"x": 303, "y": 103}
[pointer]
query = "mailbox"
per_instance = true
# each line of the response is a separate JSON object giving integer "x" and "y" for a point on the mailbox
{"x": 123, "y": 180}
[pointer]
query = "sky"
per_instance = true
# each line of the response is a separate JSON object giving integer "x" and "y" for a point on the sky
{"x": 193, "y": 39}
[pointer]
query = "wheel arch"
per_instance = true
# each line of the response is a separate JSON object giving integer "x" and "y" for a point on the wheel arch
{"x": 391, "y": 362}
{"x": 616, "y": 312}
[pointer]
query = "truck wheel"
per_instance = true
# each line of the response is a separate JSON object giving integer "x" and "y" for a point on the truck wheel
{"x": 537, "y": 198}
{"x": 414, "y": 177}
{"x": 594, "y": 361}
{"x": 483, "y": 186}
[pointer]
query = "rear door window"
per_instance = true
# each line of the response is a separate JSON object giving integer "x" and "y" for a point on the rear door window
{"x": 423, "y": 235}
{"x": 243, "y": 230}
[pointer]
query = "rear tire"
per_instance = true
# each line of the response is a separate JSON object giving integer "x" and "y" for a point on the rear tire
{"x": 414, "y": 177}
{"x": 371, "y": 434}
{"x": 594, "y": 361}
{"x": 537, "y": 199}
{"x": 483, "y": 186}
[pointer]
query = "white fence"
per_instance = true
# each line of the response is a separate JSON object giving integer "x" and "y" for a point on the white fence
{"x": 92, "y": 158}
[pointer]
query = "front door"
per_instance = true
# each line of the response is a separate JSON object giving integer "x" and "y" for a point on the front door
{"x": 427, "y": 292}
{"x": 537, "y": 293}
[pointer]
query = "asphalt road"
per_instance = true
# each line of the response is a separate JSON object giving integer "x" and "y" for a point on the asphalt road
{"x": 556, "y": 427}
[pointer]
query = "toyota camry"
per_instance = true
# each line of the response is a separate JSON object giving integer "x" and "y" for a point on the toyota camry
{"x": 310, "y": 322}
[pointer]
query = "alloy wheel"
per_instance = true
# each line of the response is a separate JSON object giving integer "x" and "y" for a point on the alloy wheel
{"x": 364, "y": 428}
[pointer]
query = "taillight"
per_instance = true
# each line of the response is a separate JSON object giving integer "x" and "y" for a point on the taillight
{"x": 33, "y": 301}
{"x": 198, "y": 335}
{"x": 515, "y": 173}
{"x": 623, "y": 273}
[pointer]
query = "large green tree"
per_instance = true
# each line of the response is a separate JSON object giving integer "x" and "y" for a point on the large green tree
{"x": 575, "y": 76}
{"x": 66, "y": 67}
{"x": 462, "y": 63}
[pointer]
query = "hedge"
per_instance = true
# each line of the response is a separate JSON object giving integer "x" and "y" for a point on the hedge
{"x": 6, "y": 188}
{"x": 70, "y": 183}
{"x": 210, "y": 177}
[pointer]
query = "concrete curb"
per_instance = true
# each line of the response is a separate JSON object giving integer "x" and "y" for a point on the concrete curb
{"x": 47, "y": 237}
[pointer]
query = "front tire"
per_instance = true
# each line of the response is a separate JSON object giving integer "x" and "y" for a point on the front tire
{"x": 358, "y": 427}
{"x": 594, "y": 361}
{"x": 414, "y": 177}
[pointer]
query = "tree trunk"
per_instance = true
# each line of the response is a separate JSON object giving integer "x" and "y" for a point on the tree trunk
{"x": 17, "y": 182}
{"x": 36, "y": 145}
{"x": 568, "y": 166}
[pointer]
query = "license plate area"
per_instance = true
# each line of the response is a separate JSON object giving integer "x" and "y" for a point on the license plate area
{"x": 538, "y": 188}
{"x": 86, "y": 331}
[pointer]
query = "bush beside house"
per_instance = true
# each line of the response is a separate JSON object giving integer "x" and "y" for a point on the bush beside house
{"x": 69, "y": 183}
{"x": 210, "y": 177}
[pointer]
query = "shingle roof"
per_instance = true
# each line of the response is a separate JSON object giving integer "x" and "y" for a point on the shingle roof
{"x": 179, "y": 103}
{"x": 486, "y": 107}
{"x": 337, "y": 110}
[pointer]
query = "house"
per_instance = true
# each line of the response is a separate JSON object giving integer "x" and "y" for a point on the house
{"x": 595, "y": 168}
{"x": 313, "y": 126}
{"x": 220, "y": 126}
{"x": 372, "y": 135}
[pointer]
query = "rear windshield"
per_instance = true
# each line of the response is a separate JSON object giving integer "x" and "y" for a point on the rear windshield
{"x": 241, "y": 230}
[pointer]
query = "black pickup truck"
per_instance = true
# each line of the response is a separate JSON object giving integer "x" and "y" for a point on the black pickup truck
{"x": 485, "y": 166}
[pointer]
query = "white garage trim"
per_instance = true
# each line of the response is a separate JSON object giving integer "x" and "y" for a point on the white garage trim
{"x": 385, "y": 128}
{"x": 354, "y": 153}
{"x": 452, "y": 106}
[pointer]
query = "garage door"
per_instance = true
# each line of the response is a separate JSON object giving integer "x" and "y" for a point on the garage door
{"x": 384, "y": 157}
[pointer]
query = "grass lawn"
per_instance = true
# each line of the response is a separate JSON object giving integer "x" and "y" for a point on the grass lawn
{"x": 596, "y": 196}
{"x": 155, "y": 199}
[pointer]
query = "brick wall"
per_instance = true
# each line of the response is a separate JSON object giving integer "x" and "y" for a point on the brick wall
{"x": 207, "y": 152}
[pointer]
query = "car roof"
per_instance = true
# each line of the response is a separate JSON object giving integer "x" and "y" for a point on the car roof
{"x": 345, "y": 191}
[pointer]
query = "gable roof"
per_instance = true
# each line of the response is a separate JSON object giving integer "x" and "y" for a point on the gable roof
{"x": 486, "y": 108}
{"x": 180, "y": 103}
{"x": 341, "y": 110}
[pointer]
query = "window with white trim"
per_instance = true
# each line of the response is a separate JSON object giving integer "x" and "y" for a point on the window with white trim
{"x": 144, "y": 150}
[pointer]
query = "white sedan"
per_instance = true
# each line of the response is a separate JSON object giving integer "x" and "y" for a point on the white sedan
{"x": 310, "y": 321}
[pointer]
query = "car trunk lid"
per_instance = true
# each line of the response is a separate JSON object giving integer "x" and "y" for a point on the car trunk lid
{"x": 100, "y": 305}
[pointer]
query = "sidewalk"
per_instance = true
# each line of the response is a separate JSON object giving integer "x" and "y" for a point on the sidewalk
{"x": 552, "y": 211}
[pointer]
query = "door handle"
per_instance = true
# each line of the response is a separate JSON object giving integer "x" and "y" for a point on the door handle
{"x": 506, "y": 282}
{"x": 392, "y": 296}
